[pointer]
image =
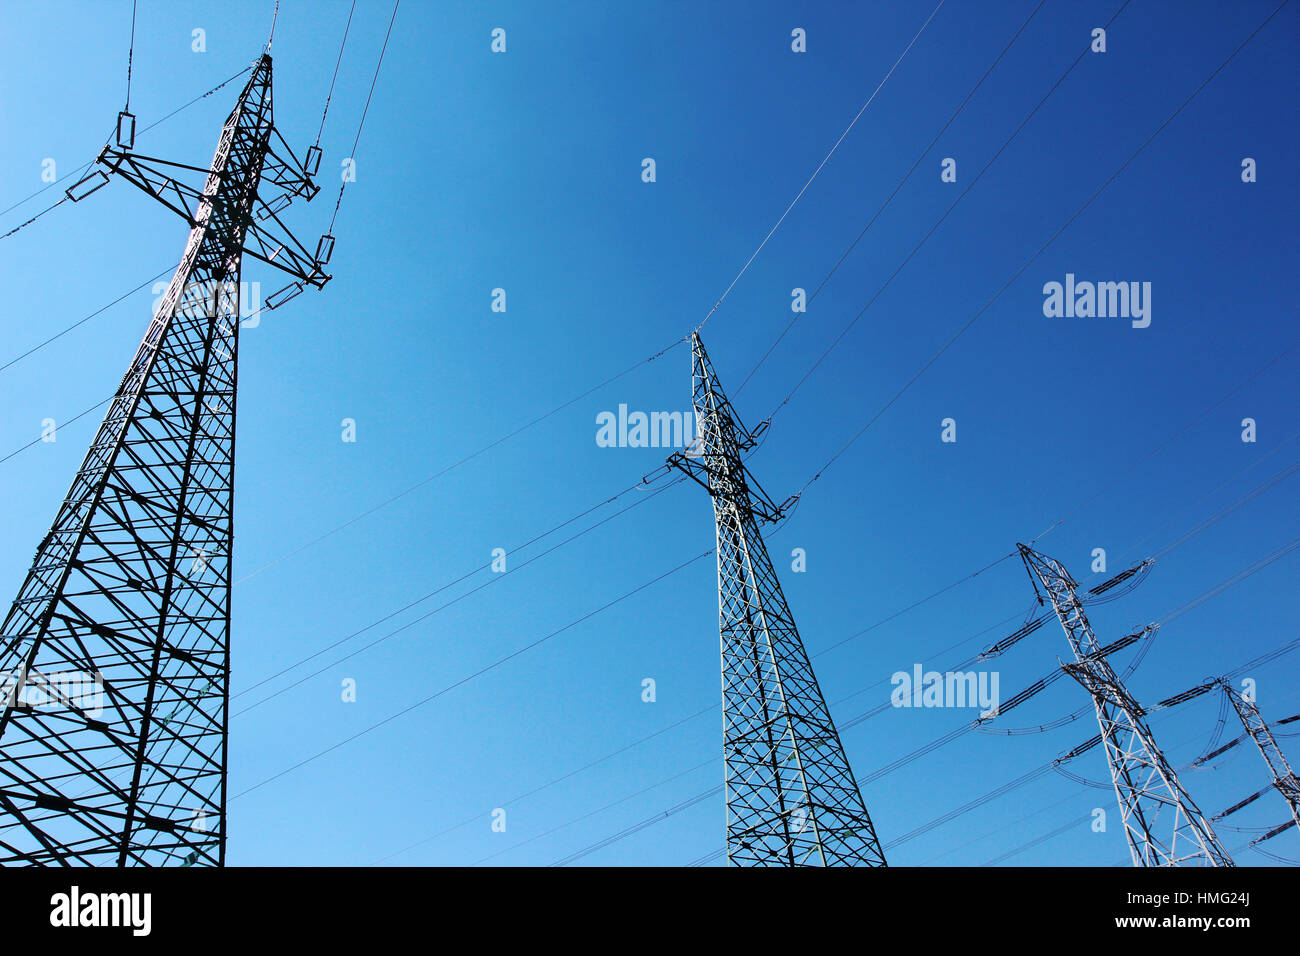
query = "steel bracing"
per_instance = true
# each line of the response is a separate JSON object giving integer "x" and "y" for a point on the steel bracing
{"x": 1284, "y": 778}
{"x": 791, "y": 796}
{"x": 116, "y": 651}
{"x": 1145, "y": 784}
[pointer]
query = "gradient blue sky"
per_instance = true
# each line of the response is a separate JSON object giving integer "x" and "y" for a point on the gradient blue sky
{"x": 522, "y": 171}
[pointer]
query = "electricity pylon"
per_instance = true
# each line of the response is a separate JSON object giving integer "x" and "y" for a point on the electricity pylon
{"x": 1284, "y": 778}
{"x": 116, "y": 652}
{"x": 791, "y": 797}
{"x": 1145, "y": 783}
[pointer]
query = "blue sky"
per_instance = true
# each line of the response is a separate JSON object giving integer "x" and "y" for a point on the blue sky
{"x": 522, "y": 171}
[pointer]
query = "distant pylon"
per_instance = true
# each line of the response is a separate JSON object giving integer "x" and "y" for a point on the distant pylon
{"x": 1284, "y": 778}
{"x": 1145, "y": 783}
{"x": 791, "y": 797}
{"x": 116, "y": 652}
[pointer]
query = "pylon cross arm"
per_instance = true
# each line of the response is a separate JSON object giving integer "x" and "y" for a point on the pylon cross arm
{"x": 266, "y": 236}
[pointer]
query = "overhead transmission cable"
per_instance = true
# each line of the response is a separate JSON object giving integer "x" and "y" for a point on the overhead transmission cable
{"x": 859, "y": 719}
{"x": 1000, "y": 647}
{"x": 377, "y": 71}
{"x": 660, "y": 353}
{"x": 1250, "y": 467}
{"x": 939, "y": 222}
{"x": 1171, "y": 117}
{"x": 928, "y": 747}
{"x": 1017, "y": 783}
{"x": 146, "y": 129}
{"x": 1108, "y": 786}
{"x": 83, "y": 321}
{"x": 442, "y": 607}
{"x": 102, "y": 402}
{"x": 607, "y": 381}
{"x": 825, "y": 160}
{"x": 130, "y": 57}
{"x": 366, "y": 109}
{"x": 1019, "y": 272}
{"x": 890, "y": 198}
{"x": 334, "y": 79}
{"x": 482, "y": 670}
{"x": 508, "y": 657}
{"x": 275, "y": 17}
{"x": 454, "y": 465}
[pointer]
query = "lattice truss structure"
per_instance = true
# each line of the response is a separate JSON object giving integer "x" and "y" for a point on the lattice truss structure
{"x": 791, "y": 797}
{"x": 1145, "y": 784}
{"x": 116, "y": 652}
{"x": 1284, "y": 778}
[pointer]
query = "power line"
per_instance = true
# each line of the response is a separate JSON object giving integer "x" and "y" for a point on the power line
{"x": 719, "y": 301}
{"x": 83, "y": 321}
{"x": 906, "y": 176}
{"x": 100, "y": 404}
{"x": 23, "y": 225}
{"x": 441, "y": 607}
{"x": 939, "y": 222}
{"x": 37, "y": 441}
{"x": 275, "y": 17}
{"x": 1159, "y": 447}
{"x": 1038, "y": 840}
{"x": 1224, "y": 512}
{"x": 854, "y": 721}
{"x": 178, "y": 109}
{"x": 945, "y": 738}
{"x": 330, "y": 95}
{"x": 851, "y": 723}
{"x": 130, "y": 56}
{"x": 1213, "y": 519}
{"x": 712, "y": 761}
{"x": 366, "y": 109}
{"x": 1133, "y": 550}
{"x": 612, "y": 378}
{"x": 699, "y": 713}
{"x": 824, "y": 161}
{"x": 1006, "y": 826}
{"x": 859, "y": 719}
{"x": 1043, "y": 248}
{"x": 1016, "y": 784}
{"x": 482, "y": 670}
{"x": 554, "y": 411}
{"x": 456, "y": 464}
{"x": 550, "y": 783}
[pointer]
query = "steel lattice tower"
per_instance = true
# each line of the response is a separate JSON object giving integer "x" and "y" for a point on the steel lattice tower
{"x": 1144, "y": 782}
{"x": 791, "y": 796}
{"x": 128, "y": 598}
{"x": 1284, "y": 778}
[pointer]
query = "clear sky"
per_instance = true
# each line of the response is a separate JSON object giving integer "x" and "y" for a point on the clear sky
{"x": 522, "y": 171}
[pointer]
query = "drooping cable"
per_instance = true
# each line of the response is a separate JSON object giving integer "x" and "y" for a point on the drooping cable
{"x": 334, "y": 79}
{"x": 366, "y": 109}
{"x": 819, "y": 168}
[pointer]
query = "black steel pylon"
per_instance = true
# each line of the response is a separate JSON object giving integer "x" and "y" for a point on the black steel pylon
{"x": 791, "y": 796}
{"x": 116, "y": 652}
